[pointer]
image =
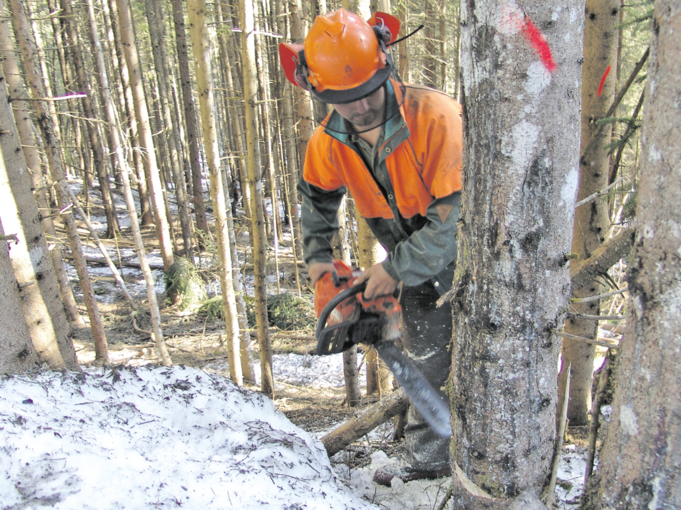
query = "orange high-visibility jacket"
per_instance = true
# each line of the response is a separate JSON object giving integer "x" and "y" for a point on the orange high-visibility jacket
{"x": 419, "y": 167}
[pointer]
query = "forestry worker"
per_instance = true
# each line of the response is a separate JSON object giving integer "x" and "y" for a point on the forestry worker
{"x": 397, "y": 148}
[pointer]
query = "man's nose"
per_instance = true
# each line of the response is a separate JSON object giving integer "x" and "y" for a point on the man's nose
{"x": 362, "y": 105}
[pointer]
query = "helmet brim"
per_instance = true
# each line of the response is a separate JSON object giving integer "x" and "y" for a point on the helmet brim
{"x": 355, "y": 94}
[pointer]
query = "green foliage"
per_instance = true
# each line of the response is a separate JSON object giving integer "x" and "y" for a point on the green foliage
{"x": 184, "y": 286}
{"x": 284, "y": 311}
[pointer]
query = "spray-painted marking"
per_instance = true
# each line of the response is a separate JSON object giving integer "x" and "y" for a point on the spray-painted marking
{"x": 539, "y": 44}
{"x": 513, "y": 20}
{"x": 605, "y": 75}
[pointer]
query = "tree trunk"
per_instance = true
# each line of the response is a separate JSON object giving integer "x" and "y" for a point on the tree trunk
{"x": 95, "y": 139}
{"x": 28, "y": 143}
{"x": 157, "y": 33}
{"x": 16, "y": 350}
{"x": 45, "y": 124}
{"x": 258, "y": 240}
{"x": 640, "y": 464}
{"x": 520, "y": 173}
{"x": 341, "y": 251}
{"x": 192, "y": 130}
{"x": 201, "y": 48}
{"x": 131, "y": 123}
{"x": 37, "y": 285}
{"x": 592, "y": 224}
{"x": 379, "y": 377}
{"x": 144, "y": 130}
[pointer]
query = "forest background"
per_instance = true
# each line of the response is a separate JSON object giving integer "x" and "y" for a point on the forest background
{"x": 181, "y": 108}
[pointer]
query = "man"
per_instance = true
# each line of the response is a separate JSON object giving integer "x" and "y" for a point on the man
{"x": 397, "y": 148}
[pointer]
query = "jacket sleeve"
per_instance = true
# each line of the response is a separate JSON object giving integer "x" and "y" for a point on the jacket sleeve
{"x": 319, "y": 220}
{"x": 428, "y": 251}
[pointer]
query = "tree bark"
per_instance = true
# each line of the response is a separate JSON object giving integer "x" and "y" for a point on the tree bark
{"x": 17, "y": 353}
{"x": 144, "y": 130}
{"x": 592, "y": 222}
{"x": 640, "y": 463}
{"x": 511, "y": 287}
{"x": 201, "y": 49}
{"x": 36, "y": 283}
{"x": 258, "y": 240}
{"x": 28, "y": 143}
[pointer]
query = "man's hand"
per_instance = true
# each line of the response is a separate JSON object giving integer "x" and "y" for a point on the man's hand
{"x": 379, "y": 282}
{"x": 317, "y": 269}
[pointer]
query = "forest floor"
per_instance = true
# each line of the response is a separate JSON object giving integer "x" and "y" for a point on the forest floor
{"x": 311, "y": 395}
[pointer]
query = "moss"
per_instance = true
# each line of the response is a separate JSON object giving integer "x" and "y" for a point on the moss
{"x": 284, "y": 311}
{"x": 184, "y": 286}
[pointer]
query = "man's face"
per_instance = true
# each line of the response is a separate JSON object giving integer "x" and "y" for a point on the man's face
{"x": 364, "y": 113}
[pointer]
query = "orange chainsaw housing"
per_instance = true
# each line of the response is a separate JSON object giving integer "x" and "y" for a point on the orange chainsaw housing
{"x": 354, "y": 319}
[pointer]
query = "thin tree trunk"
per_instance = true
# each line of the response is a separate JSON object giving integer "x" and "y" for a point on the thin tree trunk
{"x": 511, "y": 287}
{"x": 144, "y": 129}
{"x": 592, "y": 222}
{"x": 45, "y": 124}
{"x": 157, "y": 34}
{"x": 640, "y": 463}
{"x": 96, "y": 142}
{"x": 201, "y": 49}
{"x": 256, "y": 205}
{"x": 192, "y": 130}
{"x": 124, "y": 171}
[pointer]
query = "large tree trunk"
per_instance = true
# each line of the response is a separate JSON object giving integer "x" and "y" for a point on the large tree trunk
{"x": 16, "y": 350}
{"x": 192, "y": 130}
{"x": 592, "y": 224}
{"x": 201, "y": 48}
{"x": 521, "y": 160}
{"x": 33, "y": 78}
{"x": 640, "y": 464}
{"x": 29, "y": 146}
{"x": 256, "y": 206}
{"x": 36, "y": 284}
{"x": 144, "y": 129}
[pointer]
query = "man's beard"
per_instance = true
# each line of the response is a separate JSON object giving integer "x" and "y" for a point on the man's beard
{"x": 366, "y": 119}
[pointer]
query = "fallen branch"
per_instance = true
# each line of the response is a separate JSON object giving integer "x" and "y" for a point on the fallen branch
{"x": 366, "y": 421}
{"x": 600, "y": 296}
{"x": 596, "y": 317}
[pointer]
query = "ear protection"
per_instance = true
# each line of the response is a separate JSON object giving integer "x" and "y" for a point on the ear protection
{"x": 292, "y": 56}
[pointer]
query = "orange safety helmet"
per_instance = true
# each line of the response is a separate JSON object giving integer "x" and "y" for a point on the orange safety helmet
{"x": 344, "y": 58}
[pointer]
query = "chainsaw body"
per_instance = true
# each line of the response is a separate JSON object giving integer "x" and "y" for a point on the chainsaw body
{"x": 346, "y": 318}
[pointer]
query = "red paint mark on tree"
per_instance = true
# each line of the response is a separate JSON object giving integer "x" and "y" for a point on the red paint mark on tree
{"x": 539, "y": 44}
{"x": 605, "y": 75}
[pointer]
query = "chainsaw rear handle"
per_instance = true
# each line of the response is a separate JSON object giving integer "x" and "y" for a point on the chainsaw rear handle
{"x": 322, "y": 333}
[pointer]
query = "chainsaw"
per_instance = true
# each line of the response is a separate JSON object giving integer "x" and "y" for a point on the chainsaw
{"x": 346, "y": 318}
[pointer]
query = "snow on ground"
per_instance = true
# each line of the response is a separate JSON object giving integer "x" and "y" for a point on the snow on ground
{"x": 153, "y": 436}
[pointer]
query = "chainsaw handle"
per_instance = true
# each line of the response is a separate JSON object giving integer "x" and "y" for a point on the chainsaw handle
{"x": 334, "y": 302}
